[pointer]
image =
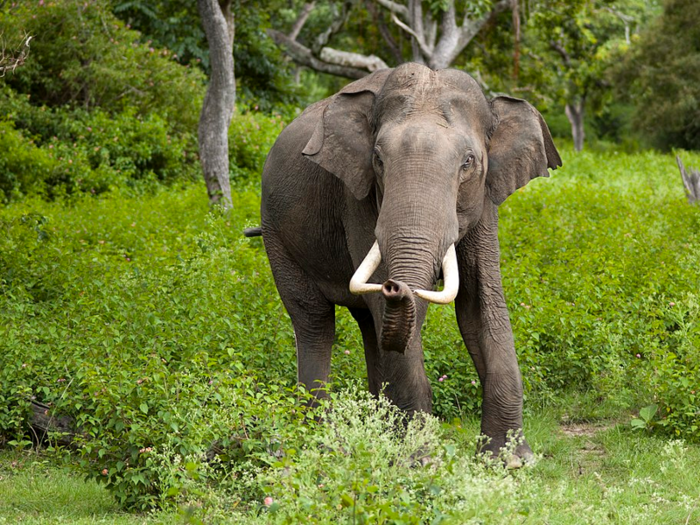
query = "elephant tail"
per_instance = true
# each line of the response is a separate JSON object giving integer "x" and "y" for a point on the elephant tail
{"x": 253, "y": 232}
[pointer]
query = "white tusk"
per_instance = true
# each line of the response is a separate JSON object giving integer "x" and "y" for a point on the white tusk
{"x": 450, "y": 275}
{"x": 358, "y": 283}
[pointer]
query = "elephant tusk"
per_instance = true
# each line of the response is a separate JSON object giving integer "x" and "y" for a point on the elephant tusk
{"x": 450, "y": 275}
{"x": 358, "y": 283}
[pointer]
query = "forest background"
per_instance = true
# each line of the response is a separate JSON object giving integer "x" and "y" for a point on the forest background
{"x": 151, "y": 333}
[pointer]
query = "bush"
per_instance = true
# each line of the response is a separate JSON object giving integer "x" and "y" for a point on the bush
{"x": 23, "y": 166}
{"x": 55, "y": 152}
{"x": 590, "y": 265}
{"x": 359, "y": 467}
{"x": 251, "y": 136}
{"x": 82, "y": 56}
{"x": 93, "y": 109}
{"x": 96, "y": 300}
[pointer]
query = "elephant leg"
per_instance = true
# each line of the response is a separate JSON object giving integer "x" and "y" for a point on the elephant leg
{"x": 314, "y": 332}
{"x": 372, "y": 357}
{"x": 312, "y": 315}
{"x": 484, "y": 323}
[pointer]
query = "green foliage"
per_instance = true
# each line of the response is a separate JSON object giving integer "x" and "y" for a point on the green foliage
{"x": 157, "y": 327}
{"x": 263, "y": 78}
{"x": 83, "y": 56}
{"x": 251, "y": 135}
{"x": 646, "y": 417}
{"x": 92, "y": 109}
{"x": 608, "y": 475}
{"x": 661, "y": 76}
{"x": 23, "y": 166}
{"x": 96, "y": 301}
{"x": 567, "y": 49}
{"x": 603, "y": 301}
{"x": 362, "y": 466}
{"x": 173, "y": 24}
{"x": 61, "y": 151}
{"x": 111, "y": 114}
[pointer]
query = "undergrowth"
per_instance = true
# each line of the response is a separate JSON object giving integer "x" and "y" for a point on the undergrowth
{"x": 156, "y": 326}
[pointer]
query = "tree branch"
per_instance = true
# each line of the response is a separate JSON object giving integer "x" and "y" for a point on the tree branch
{"x": 343, "y": 58}
{"x": 336, "y": 25}
{"x": 453, "y": 38}
{"x": 301, "y": 19}
{"x": 415, "y": 20}
{"x": 378, "y": 17}
{"x": 302, "y": 55}
{"x": 470, "y": 28}
{"x": 423, "y": 46}
{"x": 395, "y": 8}
{"x": 559, "y": 48}
{"x": 11, "y": 61}
{"x": 430, "y": 31}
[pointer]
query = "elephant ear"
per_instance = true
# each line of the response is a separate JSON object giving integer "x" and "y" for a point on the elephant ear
{"x": 342, "y": 142}
{"x": 521, "y": 148}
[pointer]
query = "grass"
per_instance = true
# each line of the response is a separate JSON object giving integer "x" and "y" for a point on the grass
{"x": 599, "y": 472}
{"x": 35, "y": 490}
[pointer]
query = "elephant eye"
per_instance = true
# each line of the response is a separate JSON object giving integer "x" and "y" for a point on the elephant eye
{"x": 468, "y": 163}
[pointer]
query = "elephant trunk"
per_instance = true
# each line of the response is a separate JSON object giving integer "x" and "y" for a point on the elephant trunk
{"x": 400, "y": 311}
{"x": 411, "y": 267}
{"x": 399, "y": 322}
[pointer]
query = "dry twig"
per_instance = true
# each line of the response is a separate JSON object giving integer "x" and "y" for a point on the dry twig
{"x": 12, "y": 59}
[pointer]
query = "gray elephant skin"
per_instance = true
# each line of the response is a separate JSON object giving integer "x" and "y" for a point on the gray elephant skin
{"x": 393, "y": 183}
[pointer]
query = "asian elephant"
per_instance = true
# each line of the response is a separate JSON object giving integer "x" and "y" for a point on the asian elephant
{"x": 371, "y": 196}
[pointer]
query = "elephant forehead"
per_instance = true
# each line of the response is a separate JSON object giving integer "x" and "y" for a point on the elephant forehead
{"x": 431, "y": 97}
{"x": 418, "y": 134}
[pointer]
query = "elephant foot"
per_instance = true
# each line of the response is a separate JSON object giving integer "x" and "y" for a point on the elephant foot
{"x": 512, "y": 451}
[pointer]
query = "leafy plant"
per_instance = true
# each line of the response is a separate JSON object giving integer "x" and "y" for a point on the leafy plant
{"x": 645, "y": 421}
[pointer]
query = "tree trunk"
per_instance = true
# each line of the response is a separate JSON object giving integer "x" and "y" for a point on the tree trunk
{"x": 574, "y": 112}
{"x": 43, "y": 422}
{"x": 219, "y": 102}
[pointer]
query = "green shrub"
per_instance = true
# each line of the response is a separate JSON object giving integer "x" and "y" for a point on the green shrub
{"x": 76, "y": 151}
{"x": 360, "y": 467}
{"x": 99, "y": 304}
{"x": 23, "y": 166}
{"x": 251, "y": 136}
{"x": 92, "y": 108}
{"x": 591, "y": 261}
{"x": 82, "y": 56}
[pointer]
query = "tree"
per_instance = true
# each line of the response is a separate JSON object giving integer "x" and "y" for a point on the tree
{"x": 220, "y": 100}
{"x": 438, "y": 32}
{"x": 569, "y": 46}
{"x": 264, "y": 77}
{"x": 661, "y": 73}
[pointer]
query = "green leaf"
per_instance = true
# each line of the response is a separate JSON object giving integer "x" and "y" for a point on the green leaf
{"x": 638, "y": 424}
{"x": 647, "y": 413}
{"x": 346, "y": 501}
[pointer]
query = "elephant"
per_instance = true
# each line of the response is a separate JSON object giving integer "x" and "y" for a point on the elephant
{"x": 373, "y": 195}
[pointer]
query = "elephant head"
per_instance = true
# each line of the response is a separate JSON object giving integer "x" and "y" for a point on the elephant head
{"x": 435, "y": 151}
